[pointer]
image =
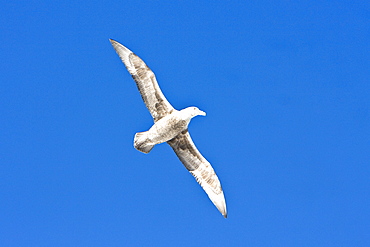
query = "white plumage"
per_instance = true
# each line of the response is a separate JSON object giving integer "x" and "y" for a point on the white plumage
{"x": 171, "y": 126}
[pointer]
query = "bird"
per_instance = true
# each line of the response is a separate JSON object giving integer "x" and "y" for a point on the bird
{"x": 171, "y": 126}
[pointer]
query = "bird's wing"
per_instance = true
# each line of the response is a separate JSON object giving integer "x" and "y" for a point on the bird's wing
{"x": 200, "y": 168}
{"x": 146, "y": 82}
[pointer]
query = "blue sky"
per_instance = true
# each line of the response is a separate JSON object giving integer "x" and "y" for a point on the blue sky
{"x": 286, "y": 89}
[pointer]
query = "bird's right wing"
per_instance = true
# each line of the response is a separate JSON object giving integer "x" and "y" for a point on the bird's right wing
{"x": 200, "y": 168}
{"x": 146, "y": 82}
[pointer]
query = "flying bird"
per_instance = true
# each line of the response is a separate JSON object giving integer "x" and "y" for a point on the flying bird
{"x": 171, "y": 126}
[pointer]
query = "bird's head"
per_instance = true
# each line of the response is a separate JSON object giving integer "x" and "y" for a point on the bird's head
{"x": 194, "y": 111}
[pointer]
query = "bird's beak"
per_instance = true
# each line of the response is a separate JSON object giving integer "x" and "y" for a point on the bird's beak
{"x": 202, "y": 113}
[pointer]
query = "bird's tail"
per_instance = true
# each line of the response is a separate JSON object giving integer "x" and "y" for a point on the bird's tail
{"x": 142, "y": 143}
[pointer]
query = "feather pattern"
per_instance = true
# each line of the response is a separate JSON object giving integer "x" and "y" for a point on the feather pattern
{"x": 146, "y": 82}
{"x": 200, "y": 168}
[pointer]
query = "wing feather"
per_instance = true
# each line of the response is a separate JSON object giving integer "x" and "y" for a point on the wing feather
{"x": 146, "y": 82}
{"x": 200, "y": 168}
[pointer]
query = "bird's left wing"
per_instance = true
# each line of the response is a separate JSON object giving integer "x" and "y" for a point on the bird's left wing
{"x": 200, "y": 168}
{"x": 146, "y": 82}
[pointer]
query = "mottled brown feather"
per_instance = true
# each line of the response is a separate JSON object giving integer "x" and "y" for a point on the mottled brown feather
{"x": 146, "y": 82}
{"x": 193, "y": 160}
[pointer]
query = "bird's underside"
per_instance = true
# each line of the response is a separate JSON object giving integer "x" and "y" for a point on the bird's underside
{"x": 182, "y": 143}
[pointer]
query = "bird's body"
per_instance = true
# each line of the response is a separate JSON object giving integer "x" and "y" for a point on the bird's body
{"x": 165, "y": 129}
{"x": 171, "y": 126}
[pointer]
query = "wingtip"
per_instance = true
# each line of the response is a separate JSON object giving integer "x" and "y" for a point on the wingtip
{"x": 120, "y": 49}
{"x": 221, "y": 205}
{"x": 223, "y": 212}
{"x": 215, "y": 195}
